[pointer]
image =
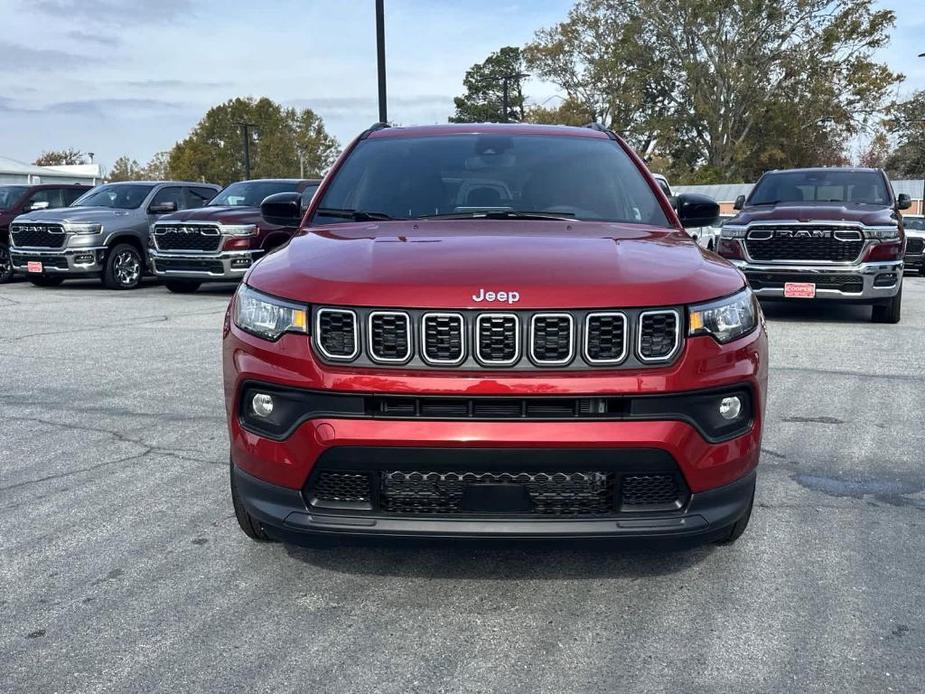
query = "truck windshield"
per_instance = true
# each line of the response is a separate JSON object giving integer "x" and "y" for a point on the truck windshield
{"x": 121, "y": 196}
{"x": 252, "y": 193}
{"x": 862, "y": 187}
{"x": 917, "y": 223}
{"x": 9, "y": 195}
{"x": 491, "y": 175}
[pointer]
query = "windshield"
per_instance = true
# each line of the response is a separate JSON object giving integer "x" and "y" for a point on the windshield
{"x": 917, "y": 223}
{"x": 120, "y": 196}
{"x": 862, "y": 187}
{"x": 490, "y": 175}
{"x": 9, "y": 195}
{"x": 252, "y": 193}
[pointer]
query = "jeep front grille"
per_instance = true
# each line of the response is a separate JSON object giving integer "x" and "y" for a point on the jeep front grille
{"x": 576, "y": 339}
{"x": 800, "y": 243}
{"x": 34, "y": 235}
{"x": 187, "y": 237}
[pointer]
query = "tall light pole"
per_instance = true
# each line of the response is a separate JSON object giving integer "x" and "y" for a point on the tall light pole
{"x": 245, "y": 129}
{"x": 380, "y": 59}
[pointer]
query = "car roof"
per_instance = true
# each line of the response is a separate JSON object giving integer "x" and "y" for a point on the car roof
{"x": 826, "y": 169}
{"x": 486, "y": 129}
{"x": 158, "y": 183}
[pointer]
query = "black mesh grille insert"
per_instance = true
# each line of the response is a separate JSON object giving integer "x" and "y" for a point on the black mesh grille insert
{"x": 650, "y": 490}
{"x": 390, "y": 336}
{"x": 552, "y": 338}
{"x": 806, "y": 247}
{"x": 344, "y": 487}
{"x": 337, "y": 333}
{"x": 550, "y": 493}
{"x": 213, "y": 267}
{"x": 38, "y": 235}
{"x": 915, "y": 245}
{"x": 844, "y": 282}
{"x": 498, "y": 338}
{"x": 658, "y": 332}
{"x": 605, "y": 337}
{"x": 187, "y": 237}
{"x": 443, "y": 338}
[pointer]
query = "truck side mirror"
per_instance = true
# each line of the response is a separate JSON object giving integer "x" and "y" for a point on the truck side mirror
{"x": 903, "y": 201}
{"x": 739, "y": 203}
{"x": 36, "y": 205}
{"x": 695, "y": 210}
{"x": 162, "y": 207}
{"x": 282, "y": 209}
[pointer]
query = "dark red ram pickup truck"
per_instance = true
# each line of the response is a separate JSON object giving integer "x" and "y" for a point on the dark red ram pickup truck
{"x": 494, "y": 330}
{"x": 221, "y": 241}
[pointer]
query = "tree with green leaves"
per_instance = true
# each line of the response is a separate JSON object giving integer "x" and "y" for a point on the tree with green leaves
{"x": 126, "y": 169}
{"x": 283, "y": 143}
{"x": 568, "y": 112}
{"x": 907, "y": 127}
{"x": 723, "y": 90}
{"x": 60, "y": 157}
{"x": 489, "y": 84}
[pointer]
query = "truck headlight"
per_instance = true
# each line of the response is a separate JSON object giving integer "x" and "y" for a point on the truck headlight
{"x": 239, "y": 229}
{"x": 266, "y": 316}
{"x": 725, "y": 319}
{"x": 82, "y": 228}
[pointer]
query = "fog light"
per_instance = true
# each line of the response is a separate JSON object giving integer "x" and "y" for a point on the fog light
{"x": 262, "y": 405}
{"x": 729, "y": 408}
{"x": 84, "y": 259}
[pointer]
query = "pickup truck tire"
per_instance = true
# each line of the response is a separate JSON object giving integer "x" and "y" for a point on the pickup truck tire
{"x": 249, "y": 525}
{"x": 737, "y": 528}
{"x": 43, "y": 281}
{"x": 6, "y": 265}
{"x": 182, "y": 286}
{"x": 889, "y": 312}
{"x": 124, "y": 267}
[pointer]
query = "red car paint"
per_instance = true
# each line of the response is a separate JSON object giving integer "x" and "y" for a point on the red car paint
{"x": 438, "y": 264}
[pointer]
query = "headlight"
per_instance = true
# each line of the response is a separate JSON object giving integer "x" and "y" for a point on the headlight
{"x": 80, "y": 228}
{"x": 266, "y": 316}
{"x": 239, "y": 229}
{"x": 890, "y": 233}
{"x": 725, "y": 319}
{"x": 731, "y": 231}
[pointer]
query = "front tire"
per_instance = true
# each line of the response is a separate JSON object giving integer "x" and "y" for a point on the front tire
{"x": 250, "y": 526}
{"x": 6, "y": 264}
{"x": 889, "y": 312}
{"x": 182, "y": 286}
{"x": 124, "y": 267}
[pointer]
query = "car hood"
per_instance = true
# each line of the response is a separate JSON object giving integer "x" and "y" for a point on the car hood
{"x": 77, "y": 214}
{"x": 222, "y": 215}
{"x": 446, "y": 264}
{"x": 822, "y": 212}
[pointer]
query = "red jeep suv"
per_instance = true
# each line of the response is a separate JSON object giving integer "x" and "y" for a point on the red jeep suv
{"x": 494, "y": 330}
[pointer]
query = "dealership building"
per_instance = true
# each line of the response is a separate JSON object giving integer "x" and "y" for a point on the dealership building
{"x": 12, "y": 171}
{"x": 726, "y": 193}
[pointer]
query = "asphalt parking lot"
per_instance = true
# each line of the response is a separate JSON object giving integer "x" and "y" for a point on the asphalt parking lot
{"x": 123, "y": 569}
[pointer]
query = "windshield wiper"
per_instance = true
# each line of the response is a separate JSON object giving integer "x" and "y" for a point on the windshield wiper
{"x": 355, "y": 215}
{"x": 502, "y": 214}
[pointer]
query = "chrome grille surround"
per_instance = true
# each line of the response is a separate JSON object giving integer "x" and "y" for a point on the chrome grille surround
{"x": 317, "y": 337}
{"x": 587, "y": 338}
{"x": 203, "y": 237}
{"x": 448, "y": 336}
{"x": 659, "y": 358}
{"x": 497, "y": 321}
{"x": 372, "y": 331}
{"x": 533, "y": 339}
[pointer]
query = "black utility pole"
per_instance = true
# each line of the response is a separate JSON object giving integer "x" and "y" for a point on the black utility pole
{"x": 245, "y": 129}
{"x": 506, "y": 93}
{"x": 380, "y": 53}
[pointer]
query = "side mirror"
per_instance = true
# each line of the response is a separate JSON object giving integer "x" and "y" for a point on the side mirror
{"x": 903, "y": 201}
{"x": 739, "y": 203}
{"x": 162, "y": 207}
{"x": 695, "y": 210}
{"x": 282, "y": 209}
{"x": 37, "y": 205}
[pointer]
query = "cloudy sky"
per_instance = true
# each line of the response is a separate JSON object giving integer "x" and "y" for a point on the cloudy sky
{"x": 133, "y": 76}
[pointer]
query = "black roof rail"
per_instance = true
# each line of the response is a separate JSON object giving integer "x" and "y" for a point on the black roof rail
{"x": 373, "y": 128}
{"x": 594, "y": 125}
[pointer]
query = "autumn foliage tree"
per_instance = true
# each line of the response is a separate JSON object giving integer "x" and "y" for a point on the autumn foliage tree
{"x": 60, "y": 157}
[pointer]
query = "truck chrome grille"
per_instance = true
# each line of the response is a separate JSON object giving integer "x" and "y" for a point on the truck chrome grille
{"x": 575, "y": 339}
{"x": 187, "y": 237}
{"x": 551, "y": 338}
{"x": 826, "y": 243}
{"x": 389, "y": 336}
{"x": 658, "y": 335}
{"x": 497, "y": 338}
{"x": 336, "y": 333}
{"x": 38, "y": 235}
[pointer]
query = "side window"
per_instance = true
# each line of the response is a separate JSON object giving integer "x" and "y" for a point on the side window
{"x": 198, "y": 197}
{"x": 71, "y": 194}
{"x": 170, "y": 194}
{"x": 53, "y": 196}
{"x": 307, "y": 194}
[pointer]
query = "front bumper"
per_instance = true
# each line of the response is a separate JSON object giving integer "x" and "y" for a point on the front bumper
{"x": 865, "y": 282}
{"x": 223, "y": 265}
{"x": 90, "y": 260}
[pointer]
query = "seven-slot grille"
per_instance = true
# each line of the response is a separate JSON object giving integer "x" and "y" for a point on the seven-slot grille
{"x": 38, "y": 235}
{"x": 187, "y": 237}
{"x": 493, "y": 339}
{"x": 834, "y": 244}
{"x": 497, "y": 338}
